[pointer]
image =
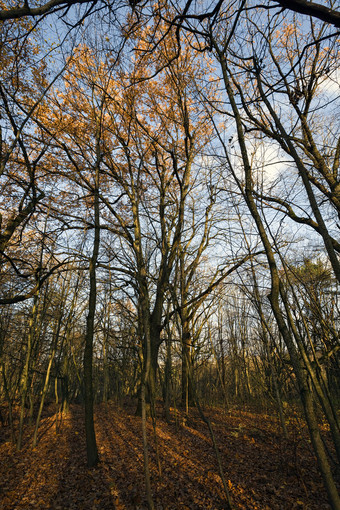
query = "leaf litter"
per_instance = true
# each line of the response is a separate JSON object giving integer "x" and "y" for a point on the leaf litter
{"x": 263, "y": 470}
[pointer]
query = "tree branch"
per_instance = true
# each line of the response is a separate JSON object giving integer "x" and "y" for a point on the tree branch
{"x": 27, "y": 11}
{"x": 312, "y": 9}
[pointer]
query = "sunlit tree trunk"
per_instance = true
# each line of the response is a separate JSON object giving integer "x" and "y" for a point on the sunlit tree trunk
{"x": 54, "y": 345}
{"x": 91, "y": 444}
{"x": 25, "y": 374}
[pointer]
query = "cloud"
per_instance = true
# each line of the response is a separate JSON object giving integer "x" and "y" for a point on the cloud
{"x": 270, "y": 163}
{"x": 331, "y": 84}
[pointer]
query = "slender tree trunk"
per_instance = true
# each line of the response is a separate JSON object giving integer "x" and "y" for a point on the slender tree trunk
{"x": 145, "y": 378}
{"x": 275, "y": 382}
{"x": 9, "y": 402}
{"x": 187, "y": 397}
{"x": 220, "y": 371}
{"x": 47, "y": 378}
{"x": 43, "y": 395}
{"x": 25, "y": 374}
{"x": 91, "y": 444}
{"x": 5, "y": 385}
{"x": 57, "y": 405}
{"x": 222, "y": 357}
{"x": 105, "y": 371}
{"x": 167, "y": 380}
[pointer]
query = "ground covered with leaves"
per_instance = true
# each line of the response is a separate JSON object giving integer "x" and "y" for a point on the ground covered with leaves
{"x": 263, "y": 470}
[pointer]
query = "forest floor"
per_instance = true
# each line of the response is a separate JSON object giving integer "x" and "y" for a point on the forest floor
{"x": 263, "y": 470}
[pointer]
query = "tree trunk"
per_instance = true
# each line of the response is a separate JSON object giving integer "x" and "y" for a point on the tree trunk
{"x": 25, "y": 375}
{"x": 43, "y": 395}
{"x": 91, "y": 444}
{"x": 187, "y": 369}
{"x": 167, "y": 380}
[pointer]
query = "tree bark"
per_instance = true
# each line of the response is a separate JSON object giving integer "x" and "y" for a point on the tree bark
{"x": 91, "y": 444}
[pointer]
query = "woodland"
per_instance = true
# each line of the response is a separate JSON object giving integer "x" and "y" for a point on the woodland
{"x": 169, "y": 254}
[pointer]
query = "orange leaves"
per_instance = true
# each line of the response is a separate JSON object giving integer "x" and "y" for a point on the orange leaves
{"x": 259, "y": 475}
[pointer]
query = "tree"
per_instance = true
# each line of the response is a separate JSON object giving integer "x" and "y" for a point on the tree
{"x": 25, "y": 193}
{"x": 83, "y": 168}
{"x": 247, "y": 187}
{"x": 297, "y": 129}
{"x": 156, "y": 145}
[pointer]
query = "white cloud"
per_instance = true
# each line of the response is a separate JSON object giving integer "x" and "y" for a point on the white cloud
{"x": 331, "y": 84}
